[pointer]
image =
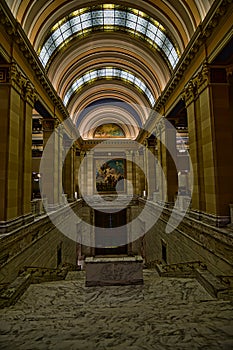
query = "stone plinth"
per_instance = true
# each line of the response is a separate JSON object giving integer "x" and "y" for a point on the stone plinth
{"x": 111, "y": 271}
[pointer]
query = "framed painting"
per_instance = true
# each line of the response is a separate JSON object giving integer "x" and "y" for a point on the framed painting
{"x": 110, "y": 175}
{"x": 110, "y": 130}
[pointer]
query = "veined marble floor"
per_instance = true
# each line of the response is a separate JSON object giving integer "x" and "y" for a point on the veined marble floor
{"x": 164, "y": 313}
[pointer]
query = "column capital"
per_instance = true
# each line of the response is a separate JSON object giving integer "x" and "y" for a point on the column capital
{"x": 203, "y": 77}
{"x": 49, "y": 124}
{"x": 15, "y": 77}
{"x": 190, "y": 92}
{"x": 30, "y": 92}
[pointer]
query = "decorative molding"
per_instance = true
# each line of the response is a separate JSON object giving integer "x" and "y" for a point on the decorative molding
{"x": 197, "y": 84}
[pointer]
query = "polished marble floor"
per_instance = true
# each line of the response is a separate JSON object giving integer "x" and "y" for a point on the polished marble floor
{"x": 164, "y": 313}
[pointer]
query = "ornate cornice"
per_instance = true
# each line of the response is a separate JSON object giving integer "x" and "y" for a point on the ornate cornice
{"x": 11, "y": 74}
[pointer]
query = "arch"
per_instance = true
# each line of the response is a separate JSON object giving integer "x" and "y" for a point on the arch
{"x": 109, "y": 73}
{"x": 108, "y": 17}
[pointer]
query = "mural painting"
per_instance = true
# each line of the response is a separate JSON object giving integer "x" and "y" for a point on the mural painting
{"x": 109, "y": 131}
{"x": 110, "y": 174}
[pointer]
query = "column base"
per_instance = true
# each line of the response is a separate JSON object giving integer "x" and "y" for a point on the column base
{"x": 12, "y": 224}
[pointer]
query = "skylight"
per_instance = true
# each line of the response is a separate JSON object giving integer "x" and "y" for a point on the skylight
{"x": 108, "y": 17}
{"x": 109, "y": 73}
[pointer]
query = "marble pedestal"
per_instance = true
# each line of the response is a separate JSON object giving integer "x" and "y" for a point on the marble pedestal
{"x": 111, "y": 271}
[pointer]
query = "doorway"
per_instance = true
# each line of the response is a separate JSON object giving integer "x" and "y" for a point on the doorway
{"x": 106, "y": 243}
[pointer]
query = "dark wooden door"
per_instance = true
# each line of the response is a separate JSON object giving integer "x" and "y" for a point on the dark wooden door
{"x": 106, "y": 242}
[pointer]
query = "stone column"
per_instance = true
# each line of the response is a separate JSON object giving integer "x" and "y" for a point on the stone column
{"x": 168, "y": 158}
{"x": 90, "y": 173}
{"x": 160, "y": 196}
{"x": 129, "y": 166}
{"x": 50, "y": 163}
{"x": 82, "y": 178}
{"x": 213, "y": 88}
{"x": 138, "y": 190}
{"x": 151, "y": 168}
{"x": 60, "y": 163}
{"x": 17, "y": 99}
{"x": 195, "y": 146}
{"x": 76, "y": 171}
{"x": 29, "y": 100}
{"x": 68, "y": 170}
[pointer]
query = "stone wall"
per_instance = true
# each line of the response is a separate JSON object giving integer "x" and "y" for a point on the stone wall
{"x": 36, "y": 244}
{"x": 191, "y": 241}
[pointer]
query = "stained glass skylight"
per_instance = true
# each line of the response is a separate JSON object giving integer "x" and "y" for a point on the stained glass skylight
{"x": 108, "y": 17}
{"x": 109, "y": 73}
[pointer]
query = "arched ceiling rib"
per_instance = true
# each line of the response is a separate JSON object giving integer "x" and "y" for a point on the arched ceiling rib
{"x": 159, "y": 31}
{"x": 107, "y": 73}
{"x": 109, "y": 17}
{"x": 37, "y": 16}
{"x": 114, "y": 50}
{"x": 103, "y": 115}
{"x": 111, "y": 91}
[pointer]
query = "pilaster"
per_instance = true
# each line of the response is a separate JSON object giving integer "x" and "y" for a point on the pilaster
{"x": 167, "y": 154}
{"x": 129, "y": 158}
{"x": 17, "y": 99}
{"x": 50, "y": 163}
{"x": 211, "y": 143}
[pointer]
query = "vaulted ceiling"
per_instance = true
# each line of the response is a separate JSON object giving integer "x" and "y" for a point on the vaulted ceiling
{"x": 109, "y": 62}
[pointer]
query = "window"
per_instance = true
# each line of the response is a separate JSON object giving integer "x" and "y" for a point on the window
{"x": 109, "y": 73}
{"x": 108, "y": 17}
